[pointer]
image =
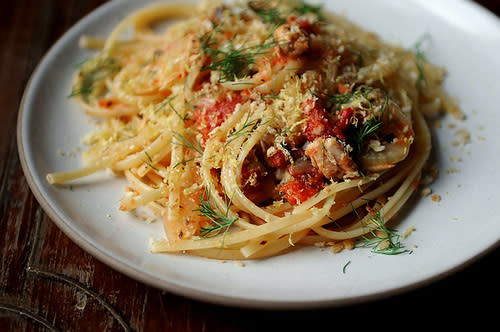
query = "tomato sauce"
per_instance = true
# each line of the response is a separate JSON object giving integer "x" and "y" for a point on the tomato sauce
{"x": 318, "y": 122}
{"x": 306, "y": 183}
{"x": 343, "y": 121}
{"x": 207, "y": 119}
{"x": 277, "y": 159}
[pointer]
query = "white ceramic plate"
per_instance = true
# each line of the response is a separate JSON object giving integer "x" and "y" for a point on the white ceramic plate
{"x": 449, "y": 234}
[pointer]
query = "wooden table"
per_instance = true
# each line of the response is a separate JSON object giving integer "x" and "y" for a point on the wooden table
{"x": 48, "y": 283}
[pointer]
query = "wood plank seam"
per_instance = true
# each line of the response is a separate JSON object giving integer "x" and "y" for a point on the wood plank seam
{"x": 31, "y": 268}
{"x": 23, "y": 313}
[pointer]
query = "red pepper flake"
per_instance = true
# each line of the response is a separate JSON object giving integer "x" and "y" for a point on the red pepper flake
{"x": 105, "y": 103}
{"x": 165, "y": 93}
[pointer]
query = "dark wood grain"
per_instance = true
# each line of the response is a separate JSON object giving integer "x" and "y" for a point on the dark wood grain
{"x": 47, "y": 283}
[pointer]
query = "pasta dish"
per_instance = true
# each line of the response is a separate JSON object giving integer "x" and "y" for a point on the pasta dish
{"x": 255, "y": 127}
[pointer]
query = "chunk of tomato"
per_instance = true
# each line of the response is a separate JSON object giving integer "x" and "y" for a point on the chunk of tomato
{"x": 209, "y": 118}
{"x": 296, "y": 192}
{"x": 317, "y": 121}
{"x": 307, "y": 182}
{"x": 343, "y": 121}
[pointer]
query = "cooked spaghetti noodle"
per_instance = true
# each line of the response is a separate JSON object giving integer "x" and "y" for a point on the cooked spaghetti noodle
{"x": 254, "y": 127}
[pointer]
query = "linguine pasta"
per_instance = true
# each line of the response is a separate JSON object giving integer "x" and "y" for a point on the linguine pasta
{"x": 253, "y": 127}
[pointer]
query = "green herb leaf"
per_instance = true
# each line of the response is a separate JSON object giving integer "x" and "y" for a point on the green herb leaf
{"x": 358, "y": 135}
{"x": 247, "y": 127}
{"x": 367, "y": 128}
{"x": 268, "y": 14}
{"x": 168, "y": 102}
{"x": 232, "y": 63}
{"x": 93, "y": 71}
{"x": 221, "y": 222}
{"x": 235, "y": 63}
{"x": 345, "y": 98}
{"x": 345, "y": 266}
{"x": 388, "y": 243}
{"x": 421, "y": 61}
{"x": 305, "y": 8}
{"x": 187, "y": 142}
{"x": 156, "y": 55}
{"x": 182, "y": 162}
{"x": 149, "y": 161}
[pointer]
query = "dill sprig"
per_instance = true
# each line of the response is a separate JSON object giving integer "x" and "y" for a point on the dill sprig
{"x": 334, "y": 222}
{"x": 367, "y": 128}
{"x": 345, "y": 266}
{"x": 122, "y": 136}
{"x": 208, "y": 39}
{"x": 168, "y": 102}
{"x": 359, "y": 134}
{"x": 235, "y": 63}
{"x": 268, "y": 14}
{"x": 161, "y": 105}
{"x": 381, "y": 239}
{"x": 92, "y": 71}
{"x": 344, "y": 98}
{"x": 305, "y": 8}
{"x": 149, "y": 162}
{"x": 247, "y": 127}
{"x": 221, "y": 222}
{"x": 156, "y": 55}
{"x": 421, "y": 61}
{"x": 183, "y": 162}
{"x": 232, "y": 62}
{"x": 187, "y": 142}
{"x": 190, "y": 143}
{"x": 356, "y": 135}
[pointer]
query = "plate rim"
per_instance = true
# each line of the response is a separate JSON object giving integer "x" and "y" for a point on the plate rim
{"x": 148, "y": 278}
